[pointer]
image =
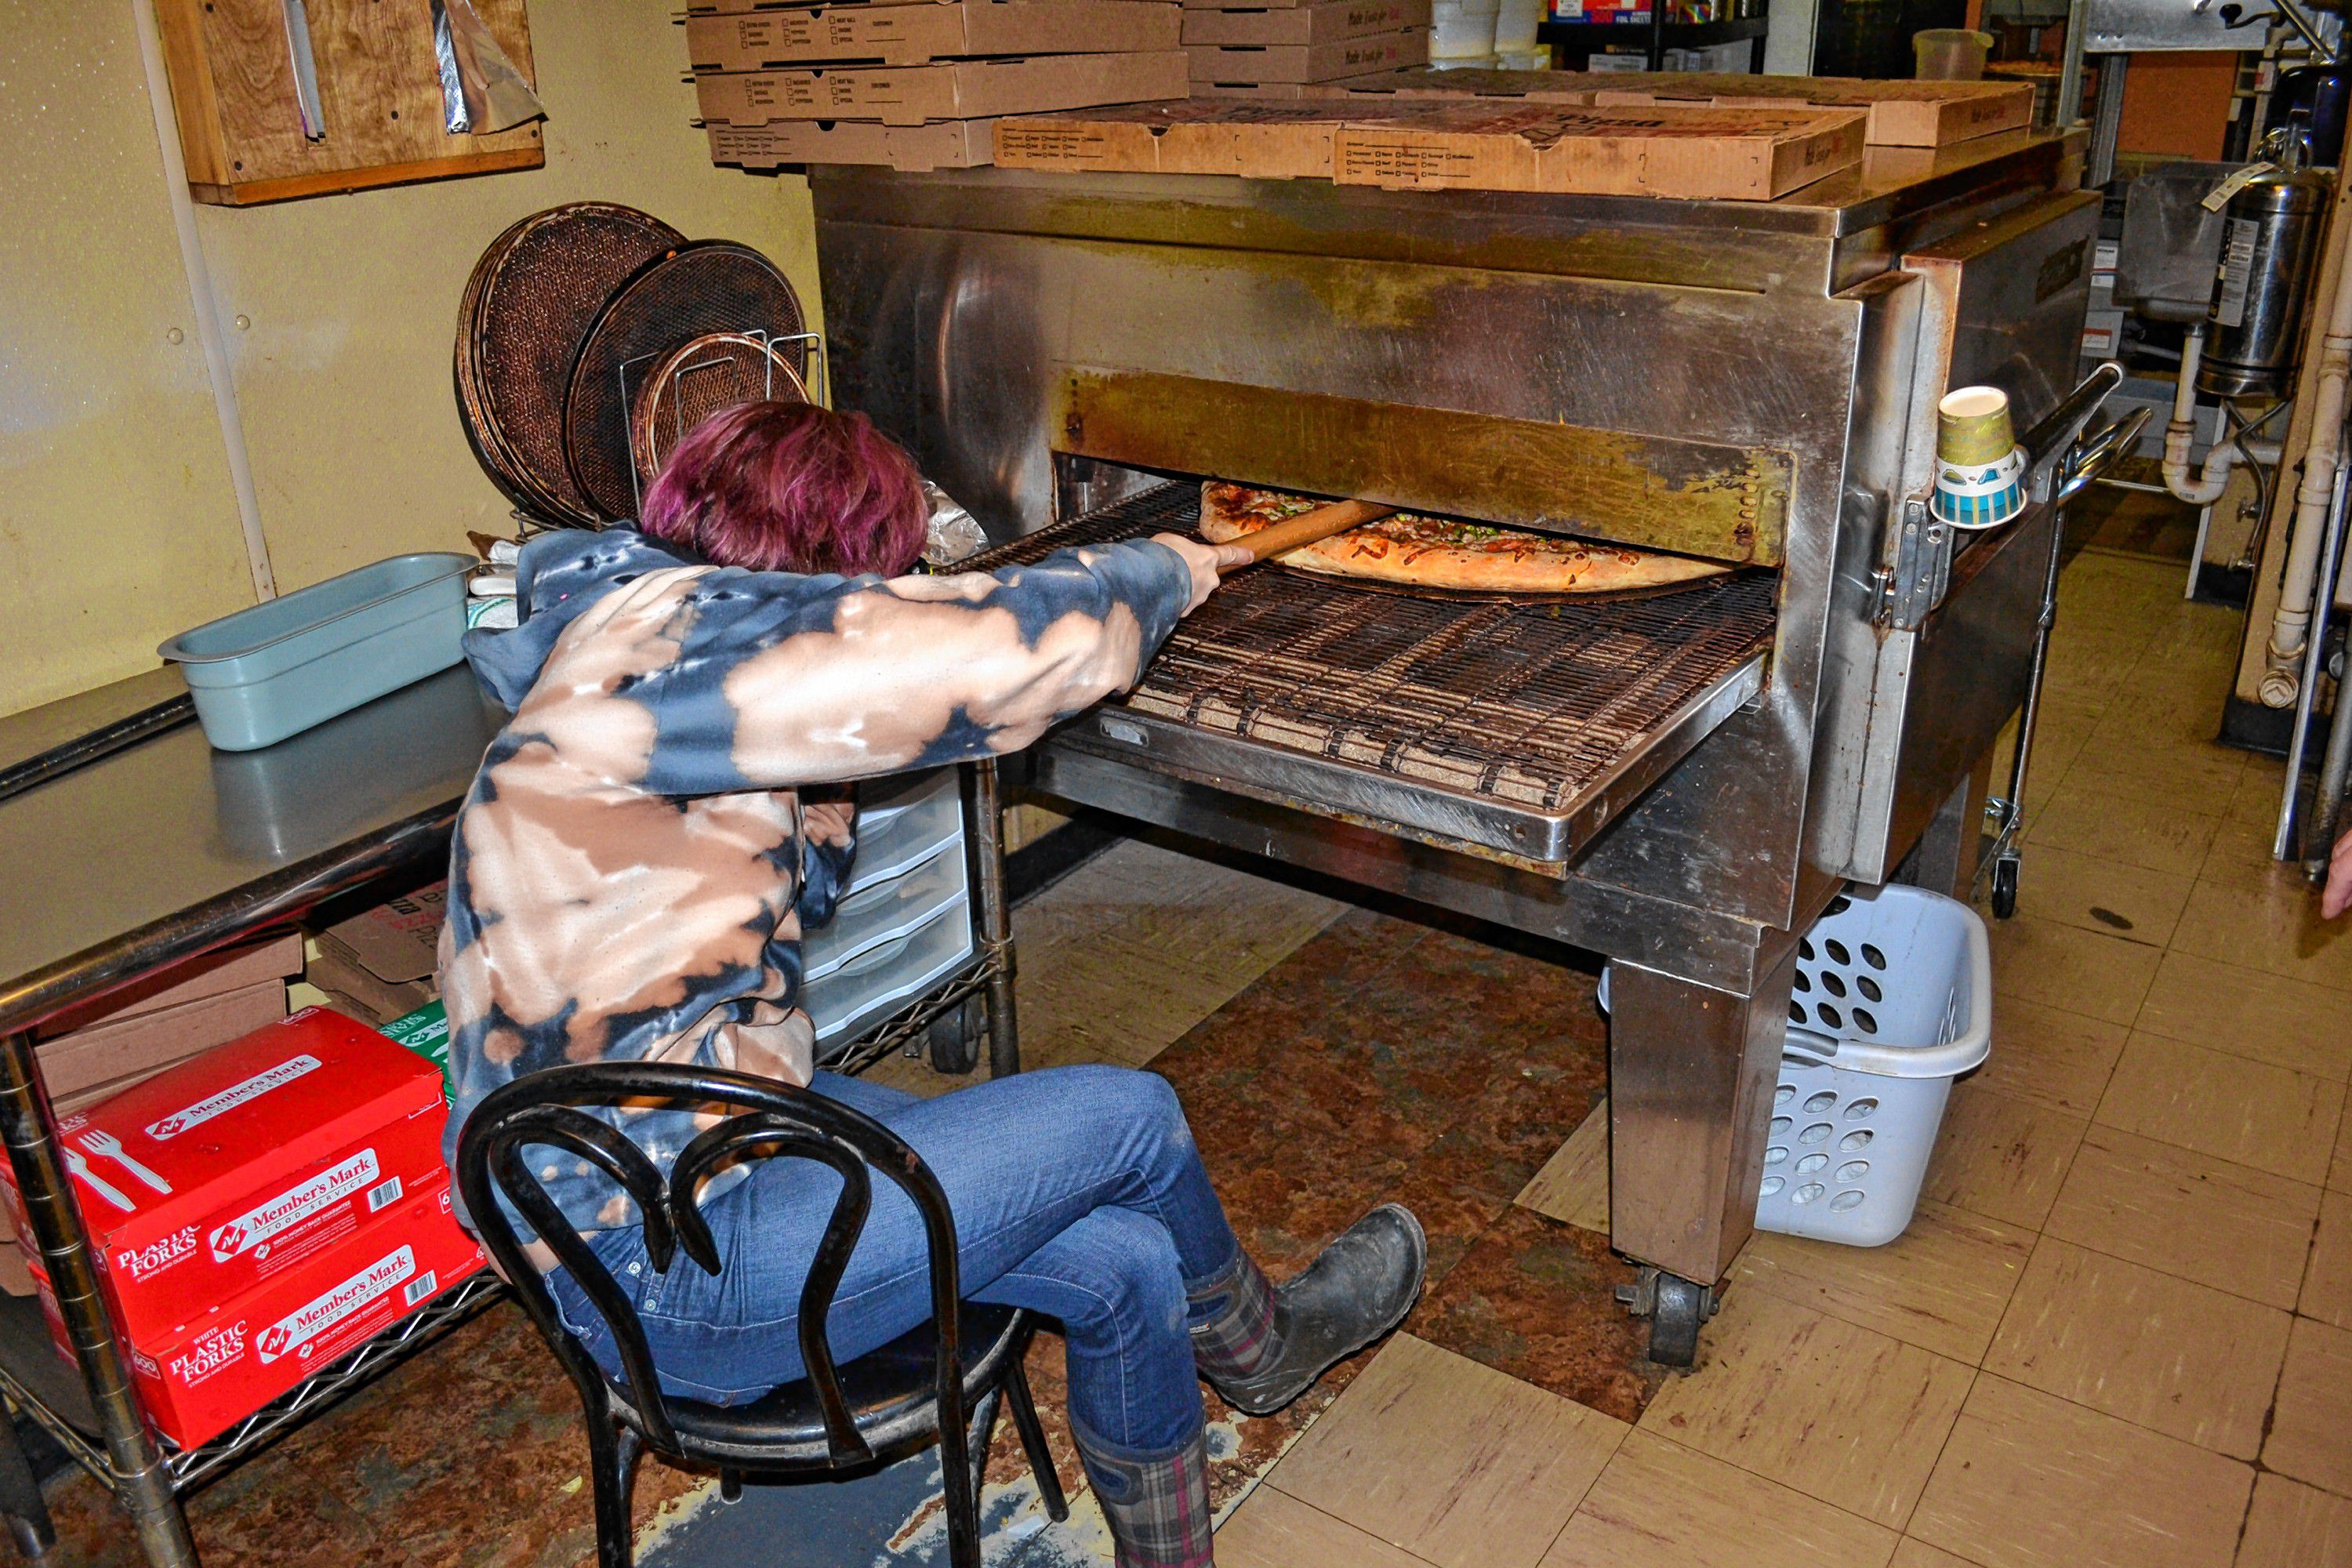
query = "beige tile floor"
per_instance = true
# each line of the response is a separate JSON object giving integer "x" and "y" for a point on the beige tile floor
{"x": 2118, "y": 1333}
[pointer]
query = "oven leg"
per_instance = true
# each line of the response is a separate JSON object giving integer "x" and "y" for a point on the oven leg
{"x": 1691, "y": 1074}
{"x": 1944, "y": 859}
{"x": 995, "y": 920}
{"x": 140, "y": 1483}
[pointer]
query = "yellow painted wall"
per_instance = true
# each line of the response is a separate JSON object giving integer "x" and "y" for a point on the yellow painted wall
{"x": 117, "y": 525}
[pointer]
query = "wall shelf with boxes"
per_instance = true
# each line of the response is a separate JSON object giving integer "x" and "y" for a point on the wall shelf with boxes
{"x": 1665, "y": 44}
{"x": 282, "y": 99}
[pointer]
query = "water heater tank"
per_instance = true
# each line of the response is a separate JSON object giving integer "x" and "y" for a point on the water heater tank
{"x": 2270, "y": 241}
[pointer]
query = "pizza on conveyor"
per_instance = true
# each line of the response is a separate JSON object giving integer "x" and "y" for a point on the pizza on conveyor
{"x": 1416, "y": 552}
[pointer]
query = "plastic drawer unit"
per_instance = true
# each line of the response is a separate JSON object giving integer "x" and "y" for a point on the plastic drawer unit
{"x": 906, "y": 923}
{"x": 280, "y": 668}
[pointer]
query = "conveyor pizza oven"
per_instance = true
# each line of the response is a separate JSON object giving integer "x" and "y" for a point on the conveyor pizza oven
{"x": 1678, "y": 781}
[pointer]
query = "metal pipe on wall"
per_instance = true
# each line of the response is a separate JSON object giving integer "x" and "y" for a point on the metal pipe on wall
{"x": 205, "y": 301}
{"x": 2291, "y": 625}
{"x": 2283, "y": 842}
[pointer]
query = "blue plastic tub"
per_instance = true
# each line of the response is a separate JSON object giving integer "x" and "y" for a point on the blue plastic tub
{"x": 276, "y": 670}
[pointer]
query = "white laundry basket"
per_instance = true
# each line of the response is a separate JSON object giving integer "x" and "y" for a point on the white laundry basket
{"x": 1893, "y": 1000}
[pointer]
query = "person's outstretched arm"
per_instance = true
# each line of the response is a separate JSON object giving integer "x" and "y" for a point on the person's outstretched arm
{"x": 699, "y": 680}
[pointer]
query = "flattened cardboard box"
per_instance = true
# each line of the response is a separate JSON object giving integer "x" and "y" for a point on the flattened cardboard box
{"x": 1428, "y": 83}
{"x": 1309, "y": 62}
{"x": 399, "y": 939}
{"x": 1318, "y": 23}
{"x": 964, "y": 89}
{"x": 208, "y": 975}
{"x": 905, "y": 34}
{"x": 1739, "y": 154}
{"x": 145, "y": 1043}
{"x": 943, "y": 144}
{"x": 1203, "y": 136}
{"x": 1901, "y": 113}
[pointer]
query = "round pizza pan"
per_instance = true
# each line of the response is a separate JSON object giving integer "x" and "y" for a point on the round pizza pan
{"x": 696, "y": 379}
{"x": 709, "y": 286}
{"x": 533, "y": 298}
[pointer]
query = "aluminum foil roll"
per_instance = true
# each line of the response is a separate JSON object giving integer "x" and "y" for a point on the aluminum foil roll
{"x": 481, "y": 91}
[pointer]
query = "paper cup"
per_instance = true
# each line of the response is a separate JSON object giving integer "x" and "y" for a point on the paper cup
{"x": 1981, "y": 495}
{"x": 1972, "y": 426}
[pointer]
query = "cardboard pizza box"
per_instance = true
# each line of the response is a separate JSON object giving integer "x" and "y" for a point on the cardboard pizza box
{"x": 214, "y": 973}
{"x": 1745, "y": 154}
{"x": 1197, "y": 136}
{"x": 960, "y": 89}
{"x": 213, "y": 1176}
{"x": 138, "y": 1044}
{"x": 336, "y": 972}
{"x": 1259, "y": 64}
{"x": 1257, "y": 92}
{"x": 1469, "y": 82}
{"x": 941, "y": 144}
{"x": 1328, "y": 21}
{"x": 1901, "y": 113}
{"x": 398, "y": 941}
{"x": 82, "y": 1099}
{"x": 201, "y": 1377}
{"x": 902, "y": 35}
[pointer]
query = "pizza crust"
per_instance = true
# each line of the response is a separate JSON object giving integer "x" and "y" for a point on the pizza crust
{"x": 1418, "y": 551}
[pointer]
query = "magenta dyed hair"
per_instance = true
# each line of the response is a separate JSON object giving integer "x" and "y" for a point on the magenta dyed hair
{"x": 790, "y": 487}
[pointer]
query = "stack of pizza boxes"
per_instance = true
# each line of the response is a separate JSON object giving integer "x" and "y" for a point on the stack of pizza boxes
{"x": 1288, "y": 48}
{"x": 916, "y": 84}
{"x": 259, "y": 1210}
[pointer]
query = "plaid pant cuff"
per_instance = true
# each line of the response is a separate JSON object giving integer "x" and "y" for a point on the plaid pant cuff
{"x": 1232, "y": 1325}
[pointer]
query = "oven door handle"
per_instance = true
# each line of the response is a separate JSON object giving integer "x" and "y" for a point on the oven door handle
{"x": 2049, "y": 445}
{"x": 2087, "y": 459}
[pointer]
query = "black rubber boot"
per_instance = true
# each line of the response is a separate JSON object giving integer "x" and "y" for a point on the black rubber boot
{"x": 1361, "y": 1287}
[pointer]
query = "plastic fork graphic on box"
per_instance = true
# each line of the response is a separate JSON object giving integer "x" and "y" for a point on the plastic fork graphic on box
{"x": 108, "y": 1146}
{"x": 81, "y": 1167}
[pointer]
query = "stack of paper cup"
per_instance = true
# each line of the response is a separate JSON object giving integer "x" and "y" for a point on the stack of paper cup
{"x": 1979, "y": 468}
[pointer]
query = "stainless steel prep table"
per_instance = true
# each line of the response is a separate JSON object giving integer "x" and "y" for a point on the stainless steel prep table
{"x": 164, "y": 848}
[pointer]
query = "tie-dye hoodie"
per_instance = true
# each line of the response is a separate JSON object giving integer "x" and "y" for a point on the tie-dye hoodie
{"x": 631, "y": 873}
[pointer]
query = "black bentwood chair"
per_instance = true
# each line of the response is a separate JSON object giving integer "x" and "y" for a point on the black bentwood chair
{"x": 925, "y": 1387}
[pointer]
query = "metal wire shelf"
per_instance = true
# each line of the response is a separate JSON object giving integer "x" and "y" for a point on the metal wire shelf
{"x": 904, "y": 1031}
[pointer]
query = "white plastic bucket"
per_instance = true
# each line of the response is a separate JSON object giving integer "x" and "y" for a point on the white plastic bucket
{"x": 1462, "y": 28}
{"x": 1515, "y": 26}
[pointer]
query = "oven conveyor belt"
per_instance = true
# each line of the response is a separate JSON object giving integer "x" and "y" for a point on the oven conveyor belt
{"x": 1532, "y": 708}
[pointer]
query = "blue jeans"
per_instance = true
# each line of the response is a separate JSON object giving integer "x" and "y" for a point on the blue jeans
{"x": 1077, "y": 1193}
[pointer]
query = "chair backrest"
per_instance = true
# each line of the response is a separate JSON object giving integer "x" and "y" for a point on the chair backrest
{"x": 770, "y": 1119}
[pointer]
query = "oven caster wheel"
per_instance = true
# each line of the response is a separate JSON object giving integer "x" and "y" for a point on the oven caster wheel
{"x": 952, "y": 1041}
{"x": 2004, "y": 887}
{"x": 1676, "y": 1307}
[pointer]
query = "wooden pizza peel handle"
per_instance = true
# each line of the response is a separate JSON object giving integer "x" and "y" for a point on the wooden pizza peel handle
{"x": 1309, "y": 527}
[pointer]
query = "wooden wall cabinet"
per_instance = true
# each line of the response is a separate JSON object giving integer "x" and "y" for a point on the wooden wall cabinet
{"x": 233, "y": 86}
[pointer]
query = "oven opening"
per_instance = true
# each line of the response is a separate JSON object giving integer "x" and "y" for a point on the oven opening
{"x": 1521, "y": 728}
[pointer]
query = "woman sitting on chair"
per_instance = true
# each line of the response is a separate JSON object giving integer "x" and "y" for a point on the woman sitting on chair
{"x": 635, "y": 865}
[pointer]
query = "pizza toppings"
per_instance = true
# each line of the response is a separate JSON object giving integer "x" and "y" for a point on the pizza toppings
{"x": 1417, "y": 550}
